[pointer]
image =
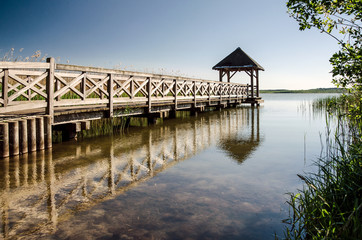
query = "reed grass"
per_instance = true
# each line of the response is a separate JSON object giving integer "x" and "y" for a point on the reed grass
{"x": 105, "y": 126}
{"x": 329, "y": 205}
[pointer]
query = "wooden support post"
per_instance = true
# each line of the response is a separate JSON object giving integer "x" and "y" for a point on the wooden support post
{"x": 40, "y": 133}
{"x": 257, "y": 83}
{"x": 29, "y": 90}
{"x": 110, "y": 95}
{"x": 220, "y": 91}
{"x": 31, "y": 134}
{"x": 229, "y": 91}
{"x": 85, "y": 125}
{"x": 4, "y": 139}
{"x": 149, "y": 94}
{"x": 195, "y": 89}
{"x": 5, "y": 87}
{"x": 57, "y": 87}
{"x": 228, "y": 75}
{"x": 220, "y": 75}
{"x": 48, "y": 131}
{"x": 83, "y": 86}
{"x": 175, "y": 90}
{"x": 23, "y": 127}
{"x": 131, "y": 86}
{"x": 50, "y": 87}
{"x": 14, "y": 137}
{"x": 209, "y": 89}
{"x": 77, "y": 127}
{"x": 252, "y": 83}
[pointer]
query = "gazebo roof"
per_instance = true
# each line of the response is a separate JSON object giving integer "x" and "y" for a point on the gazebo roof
{"x": 238, "y": 60}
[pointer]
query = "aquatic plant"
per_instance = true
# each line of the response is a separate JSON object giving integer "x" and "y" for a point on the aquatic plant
{"x": 330, "y": 203}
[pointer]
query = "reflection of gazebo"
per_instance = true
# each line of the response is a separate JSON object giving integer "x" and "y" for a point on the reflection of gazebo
{"x": 238, "y": 61}
{"x": 241, "y": 146}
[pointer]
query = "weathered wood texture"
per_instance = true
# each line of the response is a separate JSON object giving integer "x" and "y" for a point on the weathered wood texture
{"x": 51, "y": 86}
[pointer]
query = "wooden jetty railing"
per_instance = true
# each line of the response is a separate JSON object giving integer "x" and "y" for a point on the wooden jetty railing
{"x": 68, "y": 93}
{"x": 32, "y": 85}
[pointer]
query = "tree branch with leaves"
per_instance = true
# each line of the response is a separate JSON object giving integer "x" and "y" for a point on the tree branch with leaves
{"x": 342, "y": 20}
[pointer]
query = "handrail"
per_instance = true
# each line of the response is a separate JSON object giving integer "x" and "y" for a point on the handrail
{"x": 27, "y": 85}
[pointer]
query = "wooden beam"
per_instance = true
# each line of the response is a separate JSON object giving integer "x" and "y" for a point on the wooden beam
{"x": 4, "y": 143}
{"x": 252, "y": 83}
{"x": 50, "y": 88}
{"x": 175, "y": 91}
{"x": 5, "y": 87}
{"x": 232, "y": 75}
{"x": 48, "y": 131}
{"x": 110, "y": 95}
{"x": 31, "y": 134}
{"x": 150, "y": 94}
{"x": 257, "y": 82}
{"x": 14, "y": 137}
{"x": 23, "y": 136}
{"x": 85, "y": 125}
{"x": 195, "y": 90}
{"x": 24, "y": 65}
{"x": 40, "y": 141}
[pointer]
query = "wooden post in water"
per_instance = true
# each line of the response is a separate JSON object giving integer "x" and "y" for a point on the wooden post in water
{"x": 23, "y": 127}
{"x": 14, "y": 137}
{"x": 39, "y": 133}
{"x": 48, "y": 131}
{"x": 4, "y": 141}
{"x": 31, "y": 134}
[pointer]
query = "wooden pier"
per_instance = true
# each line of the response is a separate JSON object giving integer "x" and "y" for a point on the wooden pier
{"x": 36, "y": 96}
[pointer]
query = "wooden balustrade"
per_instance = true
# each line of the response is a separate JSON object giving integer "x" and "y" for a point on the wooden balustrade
{"x": 48, "y": 85}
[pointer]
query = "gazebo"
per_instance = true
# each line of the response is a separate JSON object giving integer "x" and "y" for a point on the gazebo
{"x": 238, "y": 61}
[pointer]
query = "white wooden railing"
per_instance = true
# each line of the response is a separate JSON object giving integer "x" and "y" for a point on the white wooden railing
{"x": 31, "y": 85}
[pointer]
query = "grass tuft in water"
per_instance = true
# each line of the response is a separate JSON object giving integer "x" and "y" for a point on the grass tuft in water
{"x": 105, "y": 126}
{"x": 330, "y": 203}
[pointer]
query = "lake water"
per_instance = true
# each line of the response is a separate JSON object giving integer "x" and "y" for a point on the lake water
{"x": 220, "y": 175}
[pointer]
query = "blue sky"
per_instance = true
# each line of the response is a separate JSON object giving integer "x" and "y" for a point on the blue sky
{"x": 185, "y": 37}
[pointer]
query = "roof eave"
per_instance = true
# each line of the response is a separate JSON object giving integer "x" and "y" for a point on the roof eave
{"x": 238, "y": 68}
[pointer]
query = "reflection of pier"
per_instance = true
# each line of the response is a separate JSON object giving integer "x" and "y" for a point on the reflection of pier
{"x": 40, "y": 189}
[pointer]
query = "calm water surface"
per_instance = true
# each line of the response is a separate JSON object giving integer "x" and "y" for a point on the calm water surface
{"x": 221, "y": 175}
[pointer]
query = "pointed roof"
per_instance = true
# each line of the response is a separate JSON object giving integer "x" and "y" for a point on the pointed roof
{"x": 238, "y": 60}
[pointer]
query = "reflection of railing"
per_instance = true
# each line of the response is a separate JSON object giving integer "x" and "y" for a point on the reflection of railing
{"x": 40, "y": 189}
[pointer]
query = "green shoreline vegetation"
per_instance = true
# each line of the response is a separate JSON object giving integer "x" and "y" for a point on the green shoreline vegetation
{"x": 329, "y": 206}
{"x": 315, "y": 90}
